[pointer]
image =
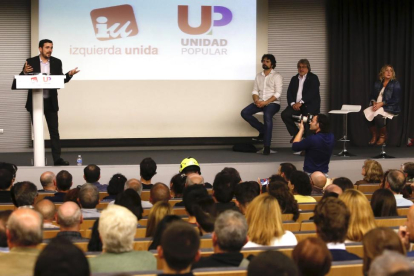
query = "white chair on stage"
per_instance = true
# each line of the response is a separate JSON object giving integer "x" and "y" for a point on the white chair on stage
{"x": 346, "y": 108}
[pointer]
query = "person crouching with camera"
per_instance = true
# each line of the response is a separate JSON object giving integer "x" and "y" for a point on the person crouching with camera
{"x": 318, "y": 147}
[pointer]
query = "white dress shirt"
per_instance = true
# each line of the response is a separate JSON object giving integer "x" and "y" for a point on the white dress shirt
{"x": 267, "y": 86}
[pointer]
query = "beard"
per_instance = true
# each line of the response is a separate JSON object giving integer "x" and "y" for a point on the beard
{"x": 265, "y": 67}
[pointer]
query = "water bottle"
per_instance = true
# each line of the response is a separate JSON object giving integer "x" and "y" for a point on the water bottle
{"x": 79, "y": 160}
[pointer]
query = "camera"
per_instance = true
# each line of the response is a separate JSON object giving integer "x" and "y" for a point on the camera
{"x": 304, "y": 118}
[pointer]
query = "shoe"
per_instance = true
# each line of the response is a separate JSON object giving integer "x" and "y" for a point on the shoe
{"x": 374, "y": 135}
{"x": 382, "y": 136}
{"x": 302, "y": 153}
{"x": 266, "y": 150}
{"x": 61, "y": 162}
{"x": 258, "y": 138}
{"x": 297, "y": 152}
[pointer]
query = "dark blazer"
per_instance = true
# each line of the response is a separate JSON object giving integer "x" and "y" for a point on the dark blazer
{"x": 391, "y": 96}
{"x": 310, "y": 92}
{"x": 55, "y": 69}
{"x": 342, "y": 255}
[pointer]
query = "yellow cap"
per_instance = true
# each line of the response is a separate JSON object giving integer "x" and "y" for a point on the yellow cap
{"x": 189, "y": 161}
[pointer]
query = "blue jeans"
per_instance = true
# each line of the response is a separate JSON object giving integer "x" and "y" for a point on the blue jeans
{"x": 268, "y": 112}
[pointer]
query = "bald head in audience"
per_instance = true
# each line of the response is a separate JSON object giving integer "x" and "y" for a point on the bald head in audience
{"x": 193, "y": 179}
{"x": 134, "y": 184}
{"x": 318, "y": 181}
{"x": 69, "y": 217}
{"x": 332, "y": 188}
{"x": 48, "y": 179}
{"x": 47, "y": 209}
{"x": 159, "y": 192}
{"x": 24, "y": 228}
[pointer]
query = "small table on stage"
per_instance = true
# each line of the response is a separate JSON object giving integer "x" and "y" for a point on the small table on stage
{"x": 37, "y": 83}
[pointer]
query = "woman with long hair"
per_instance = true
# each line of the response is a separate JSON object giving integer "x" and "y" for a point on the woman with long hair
{"x": 156, "y": 214}
{"x": 287, "y": 202}
{"x": 264, "y": 219}
{"x": 384, "y": 104}
{"x": 362, "y": 218}
{"x": 383, "y": 203}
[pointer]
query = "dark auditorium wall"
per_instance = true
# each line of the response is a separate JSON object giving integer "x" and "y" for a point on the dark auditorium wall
{"x": 363, "y": 36}
{"x": 14, "y": 48}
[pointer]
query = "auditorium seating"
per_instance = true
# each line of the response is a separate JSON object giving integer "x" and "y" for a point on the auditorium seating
{"x": 368, "y": 188}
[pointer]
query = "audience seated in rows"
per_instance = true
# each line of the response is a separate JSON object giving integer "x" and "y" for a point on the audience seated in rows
{"x": 63, "y": 184}
{"x": 156, "y": 214}
{"x": 179, "y": 249}
{"x": 117, "y": 227}
{"x": 116, "y": 185}
{"x": 287, "y": 203}
{"x": 69, "y": 217}
{"x": 318, "y": 182}
{"x": 332, "y": 220}
{"x": 136, "y": 185}
{"x": 264, "y": 220}
{"x": 343, "y": 182}
{"x": 24, "y": 194}
{"x": 245, "y": 192}
{"x": 48, "y": 182}
{"x": 376, "y": 241}
{"x": 24, "y": 233}
{"x": 223, "y": 189}
{"x": 390, "y": 263}
{"x": 147, "y": 170}
{"x": 361, "y": 218}
{"x": 92, "y": 174}
{"x": 270, "y": 263}
{"x": 312, "y": 257}
{"x": 4, "y": 216}
{"x": 383, "y": 203}
{"x": 61, "y": 257}
{"x": 301, "y": 187}
{"x": 159, "y": 192}
{"x": 48, "y": 211}
{"x": 229, "y": 237}
{"x": 395, "y": 181}
{"x": 372, "y": 172}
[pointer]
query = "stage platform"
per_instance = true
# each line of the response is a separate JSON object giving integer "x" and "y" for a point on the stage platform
{"x": 212, "y": 159}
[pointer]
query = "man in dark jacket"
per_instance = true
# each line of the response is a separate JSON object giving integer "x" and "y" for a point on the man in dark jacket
{"x": 229, "y": 237}
{"x": 302, "y": 97}
{"x": 46, "y": 64}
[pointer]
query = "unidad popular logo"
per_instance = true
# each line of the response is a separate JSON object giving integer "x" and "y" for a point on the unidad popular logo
{"x": 206, "y": 19}
{"x": 114, "y": 22}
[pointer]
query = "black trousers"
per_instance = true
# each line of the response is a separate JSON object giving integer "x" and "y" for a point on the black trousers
{"x": 290, "y": 122}
{"x": 52, "y": 121}
{"x": 378, "y": 121}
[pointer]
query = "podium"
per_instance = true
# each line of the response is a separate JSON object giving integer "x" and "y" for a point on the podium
{"x": 37, "y": 83}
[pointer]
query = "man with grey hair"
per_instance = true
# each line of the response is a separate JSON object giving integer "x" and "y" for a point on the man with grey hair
{"x": 389, "y": 263}
{"x": 24, "y": 233}
{"x": 136, "y": 185}
{"x": 69, "y": 217}
{"x": 117, "y": 227}
{"x": 48, "y": 181}
{"x": 48, "y": 211}
{"x": 395, "y": 182}
{"x": 88, "y": 199}
{"x": 229, "y": 237}
{"x": 24, "y": 194}
{"x": 193, "y": 179}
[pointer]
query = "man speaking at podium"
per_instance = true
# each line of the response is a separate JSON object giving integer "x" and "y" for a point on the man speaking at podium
{"x": 46, "y": 64}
